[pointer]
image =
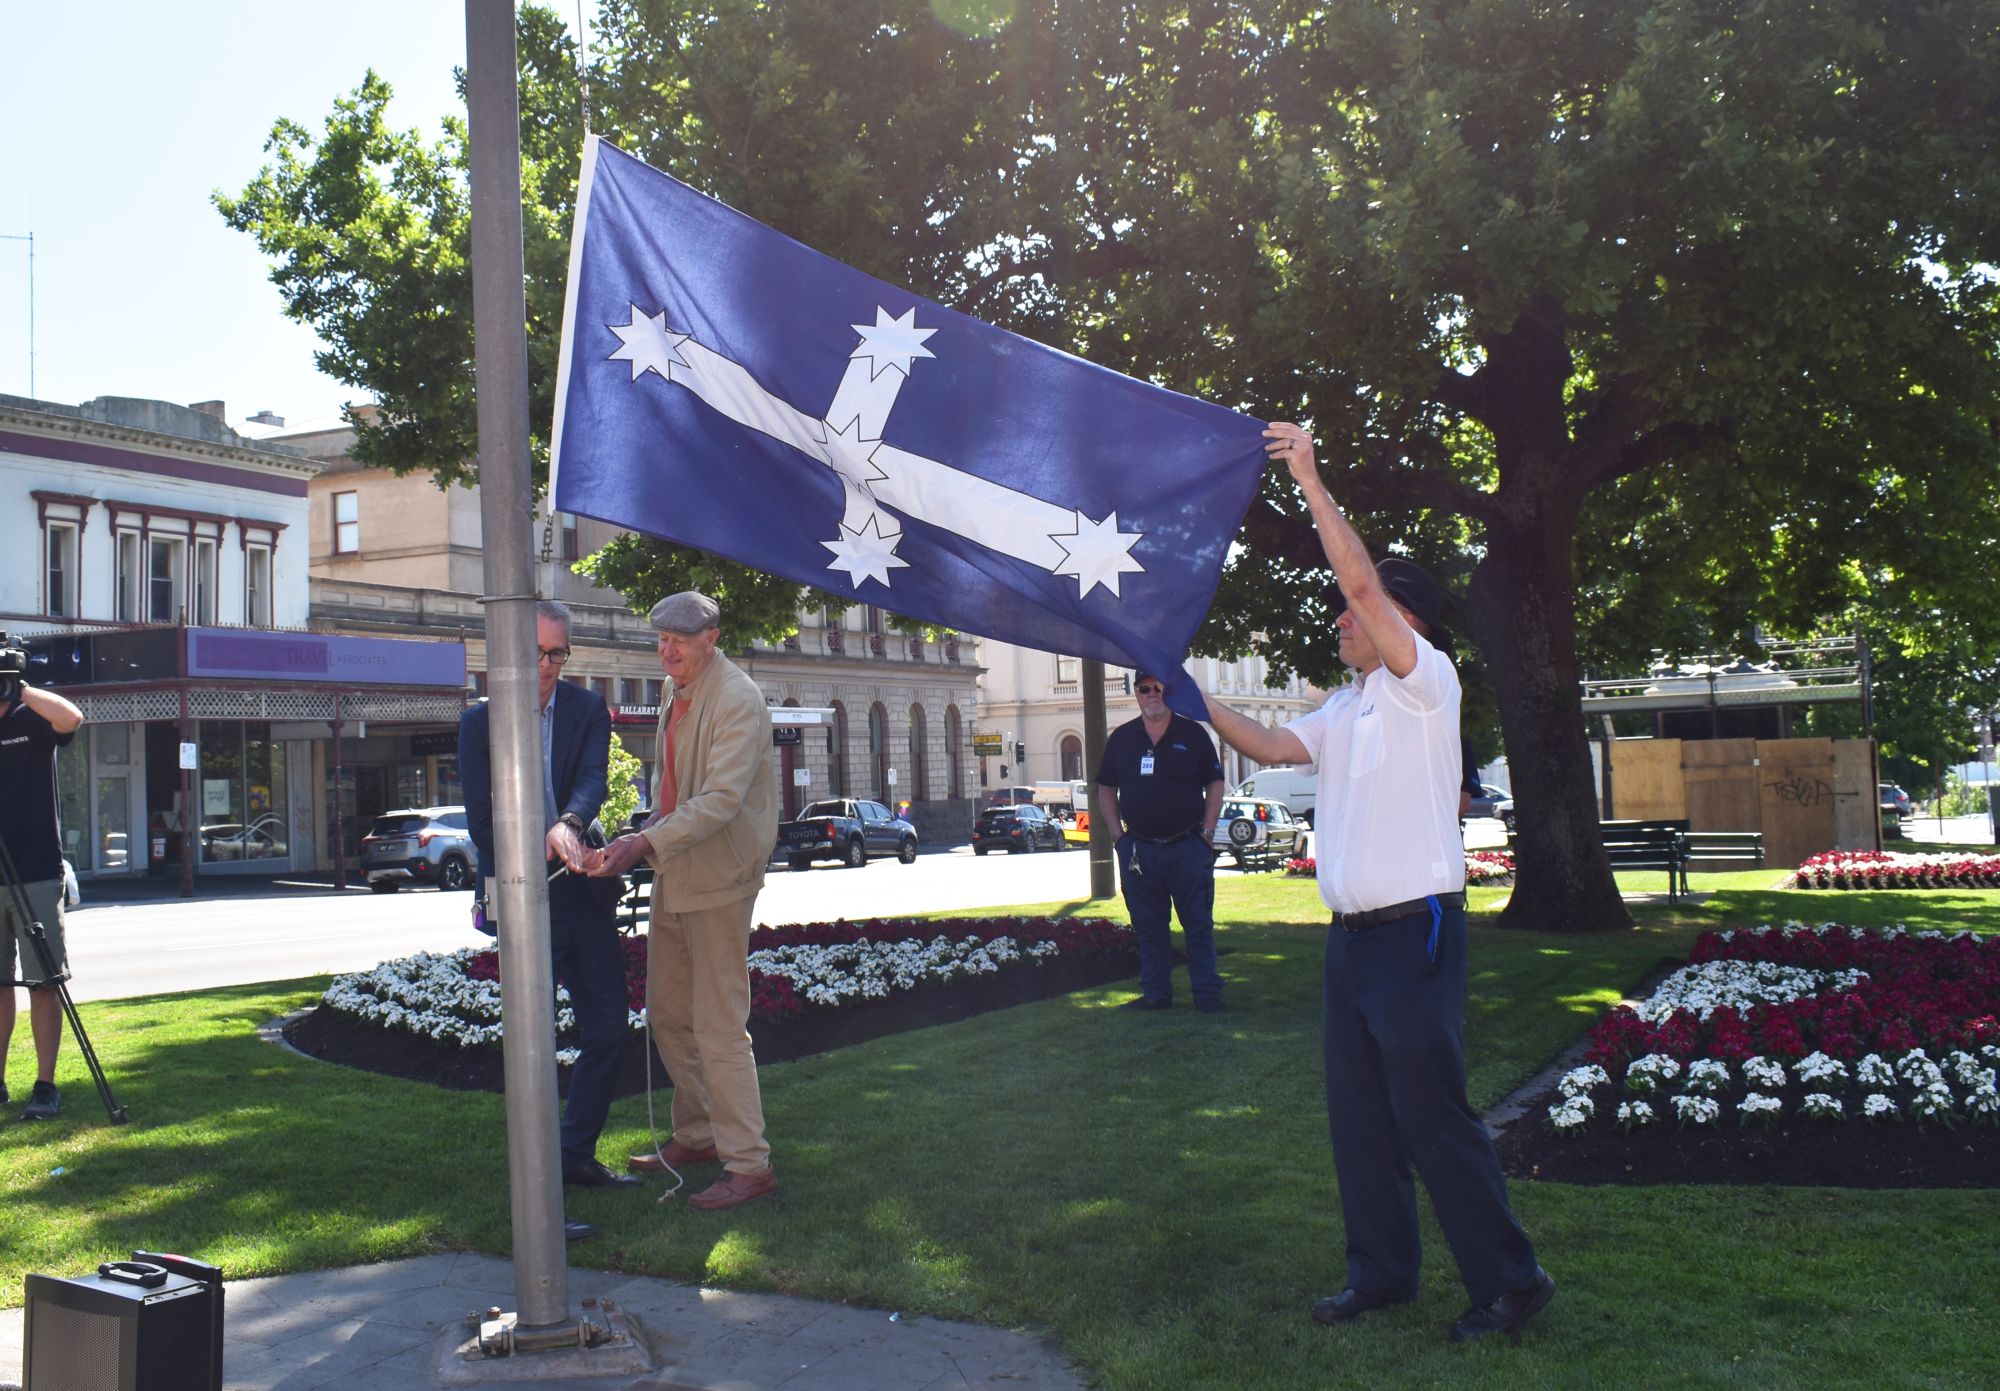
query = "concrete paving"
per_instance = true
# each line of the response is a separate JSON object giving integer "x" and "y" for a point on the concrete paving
{"x": 394, "y": 1326}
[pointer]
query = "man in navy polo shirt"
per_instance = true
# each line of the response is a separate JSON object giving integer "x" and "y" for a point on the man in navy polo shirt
{"x": 1162, "y": 782}
{"x": 1391, "y": 866}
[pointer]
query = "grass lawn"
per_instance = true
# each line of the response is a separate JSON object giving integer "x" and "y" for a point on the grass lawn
{"x": 1153, "y": 1190}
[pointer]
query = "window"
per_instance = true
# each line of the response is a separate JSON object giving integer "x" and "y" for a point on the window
{"x": 257, "y": 586}
{"x": 163, "y": 579}
{"x": 62, "y": 571}
{"x": 1070, "y": 756}
{"x": 477, "y": 680}
{"x": 602, "y": 685}
{"x": 130, "y": 578}
{"x": 569, "y": 546}
{"x": 655, "y": 691}
{"x": 346, "y": 523}
{"x": 629, "y": 690}
{"x": 204, "y": 580}
{"x": 1066, "y": 671}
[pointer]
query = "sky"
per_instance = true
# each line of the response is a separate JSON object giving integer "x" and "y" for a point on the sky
{"x": 123, "y": 119}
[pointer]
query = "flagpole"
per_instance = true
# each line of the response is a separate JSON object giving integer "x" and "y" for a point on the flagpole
{"x": 506, "y": 511}
{"x": 1102, "y": 836}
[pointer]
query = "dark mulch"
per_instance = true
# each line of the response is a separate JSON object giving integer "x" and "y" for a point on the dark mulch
{"x": 343, "y": 1038}
{"x": 1795, "y": 1151}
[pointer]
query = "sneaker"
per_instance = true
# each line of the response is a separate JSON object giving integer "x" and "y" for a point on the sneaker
{"x": 44, "y": 1103}
{"x": 1211, "y": 1005}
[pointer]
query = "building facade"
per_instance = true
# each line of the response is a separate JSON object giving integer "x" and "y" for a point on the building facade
{"x": 157, "y": 569}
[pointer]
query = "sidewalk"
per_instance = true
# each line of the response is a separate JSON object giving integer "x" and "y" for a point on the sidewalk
{"x": 392, "y": 1327}
{"x": 119, "y": 888}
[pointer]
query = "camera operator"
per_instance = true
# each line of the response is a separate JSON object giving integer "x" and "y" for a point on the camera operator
{"x": 33, "y": 725}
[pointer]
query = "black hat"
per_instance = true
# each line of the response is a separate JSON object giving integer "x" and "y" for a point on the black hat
{"x": 1410, "y": 585}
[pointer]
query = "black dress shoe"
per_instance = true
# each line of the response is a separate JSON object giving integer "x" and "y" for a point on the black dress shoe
{"x": 590, "y": 1173}
{"x": 1349, "y": 1305}
{"x": 1507, "y": 1313}
{"x": 574, "y": 1230}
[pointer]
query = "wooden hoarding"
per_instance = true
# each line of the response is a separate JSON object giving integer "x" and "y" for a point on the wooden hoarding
{"x": 1646, "y": 782}
{"x": 1797, "y": 795}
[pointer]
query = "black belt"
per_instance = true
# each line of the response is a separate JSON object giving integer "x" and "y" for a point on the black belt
{"x": 1373, "y": 917}
{"x": 1170, "y": 840}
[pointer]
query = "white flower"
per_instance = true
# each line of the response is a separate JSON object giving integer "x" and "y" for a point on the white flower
{"x": 1872, "y": 1071}
{"x": 1711, "y": 985}
{"x": 1818, "y": 1067}
{"x": 1646, "y": 1074}
{"x": 1877, "y": 1107}
{"x": 1708, "y": 1075}
{"x": 1633, "y": 1114}
{"x": 1572, "y": 1115}
{"x": 1756, "y": 1107}
{"x": 1764, "y": 1072}
{"x": 1579, "y": 1080}
{"x": 1982, "y": 1101}
{"x": 1820, "y": 1106}
{"x": 1934, "y": 1102}
{"x": 1696, "y": 1110}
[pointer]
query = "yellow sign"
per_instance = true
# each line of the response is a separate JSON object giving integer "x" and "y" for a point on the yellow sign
{"x": 985, "y": 744}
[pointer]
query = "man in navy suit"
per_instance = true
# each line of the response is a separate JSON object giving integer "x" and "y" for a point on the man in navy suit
{"x": 583, "y": 932}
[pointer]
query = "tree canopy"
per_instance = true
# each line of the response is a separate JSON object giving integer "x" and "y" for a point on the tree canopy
{"x": 1640, "y": 321}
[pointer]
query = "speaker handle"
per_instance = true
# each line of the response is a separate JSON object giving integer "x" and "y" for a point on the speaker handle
{"x": 144, "y": 1274}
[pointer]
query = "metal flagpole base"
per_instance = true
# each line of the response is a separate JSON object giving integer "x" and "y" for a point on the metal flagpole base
{"x": 493, "y": 1348}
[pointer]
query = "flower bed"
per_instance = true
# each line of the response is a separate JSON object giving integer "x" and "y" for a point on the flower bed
{"x": 1487, "y": 867}
{"x": 1811, "y": 1044}
{"x": 454, "y": 997}
{"x": 1880, "y": 869}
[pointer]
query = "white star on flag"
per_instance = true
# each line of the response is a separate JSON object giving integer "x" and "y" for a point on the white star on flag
{"x": 892, "y": 343}
{"x": 649, "y": 345}
{"x": 1097, "y": 553}
{"x": 866, "y": 554}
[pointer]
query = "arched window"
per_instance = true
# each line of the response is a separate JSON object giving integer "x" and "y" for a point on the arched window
{"x": 918, "y": 782}
{"x": 954, "y": 770}
{"x": 1071, "y": 757}
{"x": 878, "y": 750}
{"x": 836, "y": 753}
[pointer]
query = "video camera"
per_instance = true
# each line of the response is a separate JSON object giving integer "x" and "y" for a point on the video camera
{"x": 13, "y": 667}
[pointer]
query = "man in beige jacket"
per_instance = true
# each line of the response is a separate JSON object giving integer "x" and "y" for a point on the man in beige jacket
{"x": 710, "y": 835}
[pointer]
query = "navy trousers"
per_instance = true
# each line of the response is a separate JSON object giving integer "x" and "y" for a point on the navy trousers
{"x": 583, "y": 938}
{"x": 1394, "y": 1038}
{"x": 1179, "y": 877}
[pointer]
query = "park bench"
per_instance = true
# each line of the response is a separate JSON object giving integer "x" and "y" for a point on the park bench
{"x": 1671, "y": 846}
{"x": 635, "y": 908}
{"x": 1730, "y": 847}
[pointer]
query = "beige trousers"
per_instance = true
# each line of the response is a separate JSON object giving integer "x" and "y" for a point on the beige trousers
{"x": 698, "y": 1002}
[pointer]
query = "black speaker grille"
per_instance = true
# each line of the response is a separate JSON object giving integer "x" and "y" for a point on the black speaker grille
{"x": 75, "y": 1349}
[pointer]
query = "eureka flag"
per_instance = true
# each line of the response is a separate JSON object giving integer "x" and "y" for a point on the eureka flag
{"x": 726, "y": 388}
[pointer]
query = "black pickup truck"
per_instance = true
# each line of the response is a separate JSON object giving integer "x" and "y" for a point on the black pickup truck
{"x": 847, "y": 830}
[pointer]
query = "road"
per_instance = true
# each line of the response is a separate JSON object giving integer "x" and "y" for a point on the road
{"x": 239, "y": 937}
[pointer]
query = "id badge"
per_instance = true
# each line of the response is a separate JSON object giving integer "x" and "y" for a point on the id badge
{"x": 1145, "y": 765}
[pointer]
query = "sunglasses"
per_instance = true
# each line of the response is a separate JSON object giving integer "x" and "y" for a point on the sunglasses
{"x": 1150, "y": 688}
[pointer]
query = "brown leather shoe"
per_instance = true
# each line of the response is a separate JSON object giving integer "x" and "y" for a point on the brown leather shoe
{"x": 678, "y": 1155}
{"x": 734, "y": 1190}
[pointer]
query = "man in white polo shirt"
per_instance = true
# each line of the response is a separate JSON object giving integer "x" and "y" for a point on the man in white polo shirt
{"x": 1392, "y": 868}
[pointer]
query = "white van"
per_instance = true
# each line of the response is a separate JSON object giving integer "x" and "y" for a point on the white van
{"x": 1295, "y": 787}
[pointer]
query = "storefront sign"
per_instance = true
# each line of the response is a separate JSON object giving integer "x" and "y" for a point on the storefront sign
{"x": 214, "y": 797}
{"x": 635, "y": 714}
{"x": 785, "y": 736}
{"x": 324, "y": 657}
{"x": 437, "y": 741}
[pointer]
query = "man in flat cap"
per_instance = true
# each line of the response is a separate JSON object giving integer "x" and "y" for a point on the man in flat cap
{"x": 1391, "y": 867}
{"x": 711, "y": 832}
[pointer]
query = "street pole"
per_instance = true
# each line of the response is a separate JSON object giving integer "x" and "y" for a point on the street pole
{"x": 1102, "y": 882}
{"x": 506, "y": 514}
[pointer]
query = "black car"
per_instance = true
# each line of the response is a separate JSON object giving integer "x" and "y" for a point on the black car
{"x": 1015, "y": 829}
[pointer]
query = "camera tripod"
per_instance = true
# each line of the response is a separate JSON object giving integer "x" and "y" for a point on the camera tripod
{"x": 35, "y": 933}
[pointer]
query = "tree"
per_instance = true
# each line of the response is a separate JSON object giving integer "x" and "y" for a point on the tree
{"x": 1658, "y": 316}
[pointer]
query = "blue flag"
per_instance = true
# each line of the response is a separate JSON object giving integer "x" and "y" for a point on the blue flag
{"x": 726, "y": 388}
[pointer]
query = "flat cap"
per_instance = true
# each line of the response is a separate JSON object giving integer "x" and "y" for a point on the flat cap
{"x": 685, "y": 612}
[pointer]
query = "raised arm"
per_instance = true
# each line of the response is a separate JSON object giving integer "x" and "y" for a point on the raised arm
{"x": 1352, "y": 569}
{"x": 1247, "y": 736}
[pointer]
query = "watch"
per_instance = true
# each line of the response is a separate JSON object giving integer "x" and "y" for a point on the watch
{"x": 572, "y": 820}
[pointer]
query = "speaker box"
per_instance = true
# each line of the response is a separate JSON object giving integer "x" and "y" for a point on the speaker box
{"x": 153, "y": 1323}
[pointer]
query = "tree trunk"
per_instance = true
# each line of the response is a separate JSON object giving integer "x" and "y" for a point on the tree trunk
{"x": 1523, "y": 604}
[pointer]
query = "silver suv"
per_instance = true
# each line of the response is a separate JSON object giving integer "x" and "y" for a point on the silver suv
{"x": 427, "y": 845}
{"x": 1256, "y": 832}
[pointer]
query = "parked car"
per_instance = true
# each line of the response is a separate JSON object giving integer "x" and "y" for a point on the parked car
{"x": 1503, "y": 812}
{"x": 422, "y": 845}
{"x": 1256, "y": 832}
{"x": 1297, "y": 788}
{"x": 1487, "y": 800}
{"x": 1894, "y": 799}
{"x": 1015, "y": 829}
{"x": 846, "y": 829}
{"x": 262, "y": 839}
